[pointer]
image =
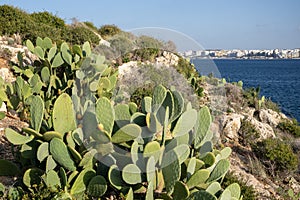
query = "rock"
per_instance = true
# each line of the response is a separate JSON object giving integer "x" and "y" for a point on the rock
{"x": 249, "y": 112}
{"x": 265, "y": 130}
{"x": 6, "y": 75}
{"x": 270, "y": 117}
{"x": 232, "y": 124}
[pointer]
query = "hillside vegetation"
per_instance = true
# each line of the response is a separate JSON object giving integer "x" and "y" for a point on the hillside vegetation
{"x": 72, "y": 137}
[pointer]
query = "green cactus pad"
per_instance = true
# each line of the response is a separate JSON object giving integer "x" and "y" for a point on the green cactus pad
{"x": 202, "y": 126}
{"x": 50, "y": 163}
{"x": 168, "y": 102}
{"x": 159, "y": 95}
{"x": 52, "y": 180}
{"x": 146, "y": 105}
{"x": 16, "y": 138}
{"x": 51, "y": 54}
{"x": 178, "y": 105}
{"x": 139, "y": 119}
{"x": 69, "y": 140}
{"x": 122, "y": 115}
{"x": 75, "y": 154}
{"x": 226, "y": 194}
{"x": 132, "y": 107}
{"x": 182, "y": 153}
{"x": 185, "y": 123}
{"x": 131, "y": 174}
{"x": 63, "y": 114}
{"x": 57, "y": 61}
{"x": 150, "y": 169}
{"x": 181, "y": 191}
{"x": 199, "y": 177}
{"x": 49, "y": 135}
{"x": 32, "y": 132}
{"x": 43, "y": 151}
{"x": 225, "y": 153}
{"x": 97, "y": 186}
{"x": 105, "y": 114}
{"x": 171, "y": 171}
{"x": 209, "y": 159}
{"x": 153, "y": 123}
{"x": 201, "y": 195}
{"x": 206, "y": 147}
{"x": 219, "y": 170}
{"x": 88, "y": 159}
{"x": 63, "y": 177}
{"x": 152, "y": 149}
{"x": 130, "y": 195}
{"x": 60, "y": 153}
{"x": 86, "y": 48}
{"x": 82, "y": 181}
{"x": 72, "y": 177}
{"x": 213, "y": 188}
{"x": 32, "y": 176}
{"x": 36, "y": 112}
{"x": 234, "y": 189}
{"x": 149, "y": 193}
{"x": 191, "y": 167}
{"x": 126, "y": 133}
{"x": 8, "y": 168}
{"x": 115, "y": 177}
{"x": 29, "y": 45}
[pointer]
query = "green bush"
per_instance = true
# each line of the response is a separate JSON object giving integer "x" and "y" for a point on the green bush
{"x": 276, "y": 154}
{"x": 248, "y": 133}
{"x": 107, "y": 31}
{"x": 79, "y": 35}
{"x": 268, "y": 104}
{"x": 14, "y": 20}
{"x": 248, "y": 192}
{"x": 290, "y": 126}
{"x": 48, "y": 19}
{"x": 91, "y": 26}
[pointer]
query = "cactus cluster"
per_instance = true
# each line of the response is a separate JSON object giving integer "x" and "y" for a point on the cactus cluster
{"x": 80, "y": 143}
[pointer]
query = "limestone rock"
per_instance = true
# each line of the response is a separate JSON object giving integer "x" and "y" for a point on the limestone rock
{"x": 232, "y": 124}
{"x": 265, "y": 130}
{"x": 270, "y": 117}
{"x": 6, "y": 75}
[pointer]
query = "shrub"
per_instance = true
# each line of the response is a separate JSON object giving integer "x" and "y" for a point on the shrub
{"x": 79, "y": 35}
{"x": 48, "y": 19}
{"x": 276, "y": 154}
{"x": 248, "y": 192}
{"x": 248, "y": 133}
{"x": 5, "y": 53}
{"x": 107, "y": 31}
{"x": 290, "y": 126}
{"x": 148, "y": 42}
{"x": 91, "y": 26}
{"x": 268, "y": 104}
{"x": 13, "y": 20}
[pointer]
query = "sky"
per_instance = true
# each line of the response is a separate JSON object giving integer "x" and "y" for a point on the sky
{"x": 217, "y": 24}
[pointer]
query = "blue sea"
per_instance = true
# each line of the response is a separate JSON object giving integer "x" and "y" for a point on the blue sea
{"x": 279, "y": 79}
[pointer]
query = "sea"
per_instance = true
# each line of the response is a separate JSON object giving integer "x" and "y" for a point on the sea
{"x": 278, "y": 79}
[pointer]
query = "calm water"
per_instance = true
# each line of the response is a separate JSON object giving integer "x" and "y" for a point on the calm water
{"x": 278, "y": 79}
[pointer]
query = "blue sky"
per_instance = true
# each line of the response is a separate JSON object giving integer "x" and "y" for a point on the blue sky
{"x": 228, "y": 24}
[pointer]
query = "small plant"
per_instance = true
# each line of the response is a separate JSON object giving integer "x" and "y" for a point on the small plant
{"x": 290, "y": 126}
{"x": 269, "y": 104}
{"x": 277, "y": 155}
{"x": 248, "y": 133}
{"x": 247, "y": 191}
{"x": 292, "y": 195}
{"x": 5, "y": 53}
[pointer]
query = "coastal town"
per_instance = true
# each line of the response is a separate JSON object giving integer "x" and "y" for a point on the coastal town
{"x": 244, "y": 54}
